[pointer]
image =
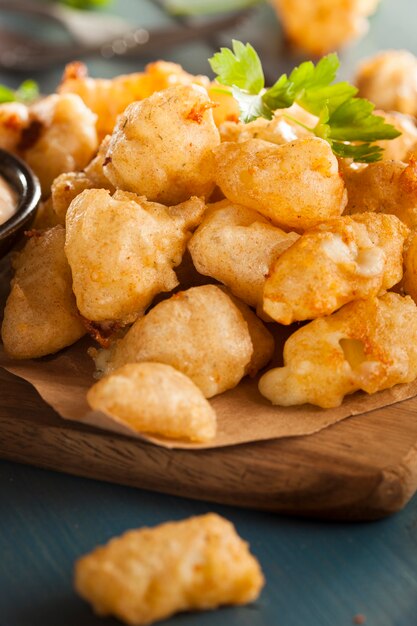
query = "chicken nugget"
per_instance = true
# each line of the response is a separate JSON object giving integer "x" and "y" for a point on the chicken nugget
{"x": 122, "y": 250}
{"x": 337, "y": 261}
{"x": 237, "y": 246}
{"x": 296, "y": 185}
{"x": 41, "y": 315}
{"x": 155, "y": 398}
{"x": 368, "y": 344}
{"x": 162, "y": 146}
{"x": 151, "y": 573}
{"x": 200, "y": 332}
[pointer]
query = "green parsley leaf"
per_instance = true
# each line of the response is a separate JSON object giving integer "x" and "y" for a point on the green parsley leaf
{"x": 345, "y": 121}
{"x": 241, "y": 68}
{"x": 27, "y": 92}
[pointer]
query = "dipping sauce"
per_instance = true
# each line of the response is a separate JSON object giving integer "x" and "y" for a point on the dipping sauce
{"x": 8, "y": 201}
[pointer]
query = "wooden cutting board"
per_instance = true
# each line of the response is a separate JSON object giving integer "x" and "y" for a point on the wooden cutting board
{"x": 362, "y": 468}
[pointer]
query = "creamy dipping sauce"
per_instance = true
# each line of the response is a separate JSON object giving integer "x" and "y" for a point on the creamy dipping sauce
{"x": 8, "y": 201}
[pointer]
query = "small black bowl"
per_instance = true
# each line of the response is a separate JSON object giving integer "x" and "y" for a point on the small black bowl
{"x": 21, "y": 178}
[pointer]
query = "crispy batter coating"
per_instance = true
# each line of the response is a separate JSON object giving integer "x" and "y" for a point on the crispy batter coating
{"x": 14, "y": 118}
{"x": 108, "y": 98}
{"x": 60, "y": 137}
{"x": 281, "y": 129}
{"x": 41, "y": 316}
{"x": 237, "y": 246}
{"x": 295, "y": 185}
{"x": 162, "y": 146}
{"x": 337, "y": 261}
{"x": 389, "y": 80}
{"x": 321, "y": 26}
{"x": 387, "y": 187}
{"x": 69, "y": 185}
{"x": 155, "y": 398}
{"x": 401, "y": 148}
{"x": 149, "y": 574}
{"x": 227, "y": 108}
{"x": 409, "y": 282}
{"x": 122, "y": 250}
{"x": 368, "y": 344}
{"x": 200, "y": 332}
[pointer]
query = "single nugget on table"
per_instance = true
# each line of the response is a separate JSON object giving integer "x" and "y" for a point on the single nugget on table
{"x": 155, "y": 398}
{"x": 41, "y": 316}
{"x": 385, "y": 187}
{"x": 202, "y": 333}
{"x": 161, "y": 147}
{"x": 337, "y": 261}
{"x": 60, "y": 137}
{"x": 295, "y": 185}
{"x": 368, "y": 344}
{"x": 149, "y": 574}
{"x": 122, "y": 250}
{"x": 237, "y": 246}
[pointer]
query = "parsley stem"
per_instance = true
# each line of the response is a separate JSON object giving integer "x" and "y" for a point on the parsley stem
{"x": 293, "y": 119}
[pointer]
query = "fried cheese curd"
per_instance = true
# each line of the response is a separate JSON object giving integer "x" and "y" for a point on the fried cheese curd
{"x": 295, "y": 185}
{"x": 155, "y": 398}
{"x": 321, "y": 26}
{"x": 333, "y": 263}
{"x": 149, "y": 574}
{"x": 401, "y": 148}
{"x": 122, "y": 250}
{"x": 237, "y": 246}
{"x": 108, "y": 98}
{"x": 202, "y": 333}
{"x": 41, "y": 316}
{"x": 386, "y": 187}
{"x": 162, "y": 146}
{"x": 389, "y": 80}
{"x": 14, "y": 117}
{"x": 368, "y": 344}
{"x": 409, "y": 282}
{"x": 60, "y": 137}
{"x": 69, "y": 185}
{"x": 282, "y": 128}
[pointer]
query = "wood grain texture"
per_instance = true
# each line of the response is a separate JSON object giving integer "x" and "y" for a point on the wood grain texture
{"x": 362, "y": 468}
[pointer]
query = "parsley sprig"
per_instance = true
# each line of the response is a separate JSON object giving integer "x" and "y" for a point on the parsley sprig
{"x": 345, "y": 121}
{"x": 27, "y": 92}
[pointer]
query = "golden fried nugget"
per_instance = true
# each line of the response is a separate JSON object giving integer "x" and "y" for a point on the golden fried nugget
{"x": 155, "y": 398}
{"x": 237, "y": 246}
{"x": 41, "y": 316}
{"x": 401, "y": 148}
{"x": 368, "y": 344}
{"x": 108, "y": 98}
{"x": 295, "y": 185}
{"x": 14, "y": 117}
{"x": 387, "y": 187}
{"x": 122, "y": 250}
{"x": 60, "y": 137}
{"x": 409, "y": 282}
{"x": 162, "y": 146}
{"x": 200, "y": 332}
{"x": 337, "y": 261}
{"x": 69, "y": 185}
{"x": 389, "y": 80}
{"x": 281, "y": 129}
{"x": 151, "y": 573}
{"x": 227, "y": 107}
{"x": 321, "y": 26}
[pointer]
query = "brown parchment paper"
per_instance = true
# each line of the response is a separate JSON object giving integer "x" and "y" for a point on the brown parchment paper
{"x": 243, "y": 414}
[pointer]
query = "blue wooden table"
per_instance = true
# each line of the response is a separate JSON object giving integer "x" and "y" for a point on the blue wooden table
{"x": 317, "y": 574}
